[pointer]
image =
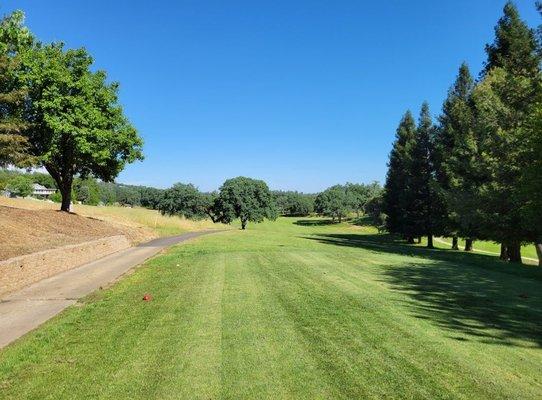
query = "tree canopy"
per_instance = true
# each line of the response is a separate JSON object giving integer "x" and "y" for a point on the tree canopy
{"x": 184, "y": 200}
{"x": 476, "y": 174}
{"x": 396, "y": 197}
{"x": 294, "y": 204}
{"x": 333, "y": 202}
{"x": 75, "y": 125}
{"x": 246, "y": 199}
{"x": 14, "y": 146}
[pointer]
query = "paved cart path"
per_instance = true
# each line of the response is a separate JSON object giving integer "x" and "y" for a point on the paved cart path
{"x": 26, "y": 309}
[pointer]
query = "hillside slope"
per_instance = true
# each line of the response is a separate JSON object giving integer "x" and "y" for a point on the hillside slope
{"x": 24, "y": 231}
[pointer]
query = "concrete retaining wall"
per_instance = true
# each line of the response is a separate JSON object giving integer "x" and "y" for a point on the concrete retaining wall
{"x": 18, "y": 272}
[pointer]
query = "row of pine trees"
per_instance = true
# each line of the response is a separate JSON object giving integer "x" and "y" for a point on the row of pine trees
{"x": 476, "y": 172}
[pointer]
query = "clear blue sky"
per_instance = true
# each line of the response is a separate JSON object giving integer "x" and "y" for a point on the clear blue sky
{"x": 302, "y": 94}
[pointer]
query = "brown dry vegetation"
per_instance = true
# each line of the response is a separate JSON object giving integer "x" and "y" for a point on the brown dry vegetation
{"x": 28, "y": 225}
{"x": 27, "y": 231}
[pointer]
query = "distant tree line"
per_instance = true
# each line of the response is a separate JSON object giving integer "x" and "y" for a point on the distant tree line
{"x": 250, "y": 200}
{"x": 476, "y": 172}
{"x": 246, "y": 199}
{"x": 294, "y": 204}
{"x": 90, "y": 191}
{"x": 339, "y": 201}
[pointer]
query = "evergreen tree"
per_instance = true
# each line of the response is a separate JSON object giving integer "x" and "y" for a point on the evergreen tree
{"x": 514, "y": 46}
{"x": 14, "y": 146}
{"x": 504, "y": 101}
{"x": 531, "y": 178}
{"x": 394, "y": 202}
{"x": 531, "y": 181}
{"x": 426, "y": 210}
{"x": 455, "y": 154}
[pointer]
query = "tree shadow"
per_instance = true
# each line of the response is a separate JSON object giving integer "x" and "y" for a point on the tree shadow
{"x": 362, "y": 221}
{"x": 474, "y": 297}
{"x": 315, "y": 222}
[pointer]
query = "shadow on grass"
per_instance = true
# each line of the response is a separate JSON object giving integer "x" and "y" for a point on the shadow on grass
{"x": 475, "y": 297}
{"x": 362, "y": 221}
{"x": 315, "y": 222}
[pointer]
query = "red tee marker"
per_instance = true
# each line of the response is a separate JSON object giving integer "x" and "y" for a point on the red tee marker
{"x": 147, "y": 297}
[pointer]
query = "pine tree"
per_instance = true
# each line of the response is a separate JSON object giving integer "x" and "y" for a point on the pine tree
{"x": 14, "y": 145}
{"x": 396, "y": 179}
{"x": 425, "y": 212}
{"x": 513, "y": 47}
{"x": 504, "y": 101}
{"x": 455, "y": 154}
{"x": 531, "y": 180}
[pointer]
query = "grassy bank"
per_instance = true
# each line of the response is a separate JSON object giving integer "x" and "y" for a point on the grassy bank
{"x": 294, "y": 309}
{"x": 136, "y": 217}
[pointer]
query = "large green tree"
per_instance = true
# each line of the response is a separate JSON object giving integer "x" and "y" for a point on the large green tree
{"x": 75, "y": 123}
{"x": 246, "y": 199}
{"x": 151, "y": 197}
{"x": 334, "y": 202}
{"x": 504, "y": 101}
{"x": 294, "y": 204}
{"x": 514, "y": 46}
{"x": 455, "y": 159}
{"x": 426, "y": 213}
{"x": 397, "y": 179}
{"x": 184, "y": 200}
{"x": 531, "y": 180}
{"x": 531, "y": 177}
{"x": 78, "y": 125}
{"x": 359, "y": 194}
{"x": 14, "y": 146}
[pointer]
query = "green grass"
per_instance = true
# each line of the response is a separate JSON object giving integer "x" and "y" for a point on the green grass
{"x": 294, "y": 310}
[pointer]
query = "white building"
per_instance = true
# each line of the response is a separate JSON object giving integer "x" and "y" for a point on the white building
{"x": 41, "y": 191}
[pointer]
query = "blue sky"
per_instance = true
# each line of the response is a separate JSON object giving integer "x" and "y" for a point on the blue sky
{"x": 302, "y": 94}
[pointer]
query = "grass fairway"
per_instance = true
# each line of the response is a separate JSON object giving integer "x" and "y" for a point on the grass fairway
{"x": 295, "y": 309}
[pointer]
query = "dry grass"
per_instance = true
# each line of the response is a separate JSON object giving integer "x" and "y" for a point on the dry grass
{"x": 142, "y": 217}
{"x": 30, "y": 225}
{"x": 28, "y": 231}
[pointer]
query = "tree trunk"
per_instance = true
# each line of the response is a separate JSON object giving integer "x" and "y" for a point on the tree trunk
{"x": 419, "y": 239}
{"x": 340, "y": 219}
{"x": 66, "y": 199}
{"x": 243, "y": 223}
{"x": 430, "y": 242}
{"x": 504, "y": 252}
{"x": 468, "y": 244}
{"x": 455, "y": 243}
{"x": 64, "y": 184}
{"x": 410, "y": 240}
{"x": 514, "y": 252}
{"x": 539, "y": 253}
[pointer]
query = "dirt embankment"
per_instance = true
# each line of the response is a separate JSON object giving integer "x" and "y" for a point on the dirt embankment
{"x": 24, "y": 231}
